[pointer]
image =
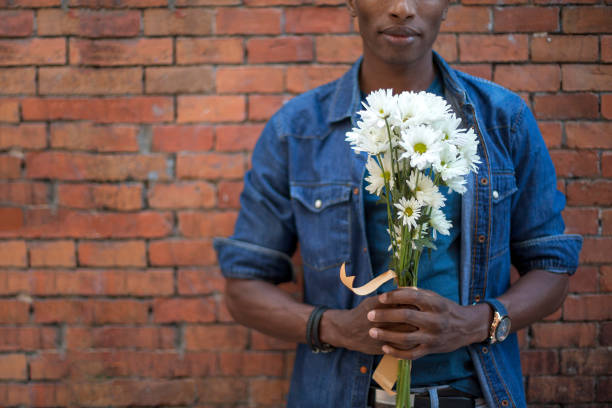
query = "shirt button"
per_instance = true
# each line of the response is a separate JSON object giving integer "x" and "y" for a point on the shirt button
{"x": 485, "y": 350}
{"x": 356, "y": 191}
{"x": 482, "y": 239}
{"x": 318, "y": 204}
{"x": 363, "y": 369}
{"x": 484, "y": 181}
{"x": 477, "y": 298}
{"x": 495, "y": 194}
{"x": 365, "y": 249}
{"x": 505, "y": 403}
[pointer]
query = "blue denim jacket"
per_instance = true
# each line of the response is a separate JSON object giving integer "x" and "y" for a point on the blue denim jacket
{"x": 305, "y": 186}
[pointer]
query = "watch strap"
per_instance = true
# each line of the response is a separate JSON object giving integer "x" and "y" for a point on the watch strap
{"x": 497, "y": 307}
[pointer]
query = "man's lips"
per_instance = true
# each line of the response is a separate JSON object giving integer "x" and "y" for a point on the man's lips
{"x": 399, "y": 31}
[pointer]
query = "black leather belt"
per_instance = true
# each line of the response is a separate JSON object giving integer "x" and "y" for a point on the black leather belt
{"x": 447, "y": 398}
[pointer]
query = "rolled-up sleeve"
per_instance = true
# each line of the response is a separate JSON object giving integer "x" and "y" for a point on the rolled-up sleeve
{"x": 264, "y": 237}
{"x": 537, "y": 237}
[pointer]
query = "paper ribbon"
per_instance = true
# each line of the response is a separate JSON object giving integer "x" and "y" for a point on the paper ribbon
{"x": 386, "y": 371}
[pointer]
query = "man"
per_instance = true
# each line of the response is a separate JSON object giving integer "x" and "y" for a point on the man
{"x": 306, "y": 186}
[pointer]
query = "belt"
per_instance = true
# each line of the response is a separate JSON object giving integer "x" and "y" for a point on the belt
{"x": 447, "y": 398}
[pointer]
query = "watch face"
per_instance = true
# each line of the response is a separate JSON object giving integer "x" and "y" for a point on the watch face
{"x": 503, "y": 329}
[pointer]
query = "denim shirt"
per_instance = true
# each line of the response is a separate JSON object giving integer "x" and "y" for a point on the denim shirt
{"x": 305, "y": 186}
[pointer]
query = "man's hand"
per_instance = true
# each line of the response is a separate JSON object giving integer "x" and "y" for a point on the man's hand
{"x": 350, "y": 328}
{"x": 442, "y": 325}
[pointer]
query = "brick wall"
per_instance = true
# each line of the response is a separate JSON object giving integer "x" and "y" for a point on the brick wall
{"x": 125, "y": 130}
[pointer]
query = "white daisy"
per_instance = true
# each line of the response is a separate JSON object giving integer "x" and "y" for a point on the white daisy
{"x": 372, "y": 140}
{"x": 396, "y": 237}
{"x": 422, "y": 145}
{"x": 409, "y": 211}
{"x": 425, "y": 190}
{"x": 439, "y": 222}
{"x": 457, "y": 184}
{"x": 379, "y": 105}
{"x": 467, "y": 144}
{"x": 379, "y": 174}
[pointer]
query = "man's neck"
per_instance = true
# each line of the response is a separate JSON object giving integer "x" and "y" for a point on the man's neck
{"x": 376, "y": 74}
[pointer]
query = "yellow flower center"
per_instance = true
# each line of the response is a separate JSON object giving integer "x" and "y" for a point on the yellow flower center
{"x": 420, "y": 148}
{"x": 408, "y": 211}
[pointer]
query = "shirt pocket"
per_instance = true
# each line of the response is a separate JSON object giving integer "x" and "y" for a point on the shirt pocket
{"x": 322, "y": 217}
{"x": 502, "y": 188}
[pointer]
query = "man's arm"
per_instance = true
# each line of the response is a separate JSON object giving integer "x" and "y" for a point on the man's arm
{"x": 445, "y": 326}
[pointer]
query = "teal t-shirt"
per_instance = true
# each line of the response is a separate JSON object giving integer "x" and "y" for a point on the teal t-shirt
{"x": 438, "y": 271}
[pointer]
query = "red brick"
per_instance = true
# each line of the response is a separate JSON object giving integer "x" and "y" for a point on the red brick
{"x": 13, "y": 311}
{"x": 604, "y": 389}
{"x": 87, "y": 136}
{"x": 215, "y": 337}
{"x": 11, "y": 218}
{"x": 606, "y": 164}
{"x": 104, "y": 110}
{"x": 251, "y": 363}
{"x": 606, "y": 105}
{"x": 173, "y": 138}
{"x": 125, "y": 197}
{"x": 248, "y": 21}
{"x": 606, "y": 48}
{"x": 200, "y": 281}
{"x": 210, "y": 166}
{"x": 120, "y": 337}
{"x": 233, "y": 138}
{"x": 553, "y": 335}
{"x": 589, "y": 135}
{"x": 492, "y": 48}
{"x": 9, "y": 110}
{"x": 224, "y": 108}
{"x": 102, "y": 311}
{"x": 141, "y": 51}
{"x": 580, "y": 220}
{"x": 260, "y": 341}
{"x": 52, "y": 253}
{"x": 13, "y": 367}
{"x": 209, "y": 51}
{"x": 566, "y": 106}
{"x": 282, "y": 49}
{"x": 606, "y": 222}
{"x": 191, "y": 3}
{"x": 262, "y": 107}
{"x": 529, "y": 77}
{"x": 119, "y": 253}
{"x": 27, "y": 338}
{"x": 250, "y": 79}
{"x": 89, "y": 81}
{"x": 552, "y": 133}
{"x": 13, "y": 253}
{"x": 83, "y": 166}
{"x": 587, "y": 77}
{"x": 479, "y": 70}
{"x": 229, "y": 194}
{"x": 182, "y": 253}
{"x": 48, "y": 366}
{"x": 584, "y": 280}
{"x": 182, "y": 195}
{"x": 206, "y": 224}
{"x": 131, "y": 392}
{"x": 114, "y": 3}
{"x": 323, "y": 20}
{"x": 564, "y": 48}
{"x": 333, "y": 48}
{"x": 303, "y": 78}
{"x": 587, "y": 19}
{"x": 178, "y": 22}
{"x": 269, "y": 391}
{"x": 572, "y": 163}
{"x": 590, "y": 193}
{"x": 169, "y": 310}
{"x": 34, "y": 51}
{"x": 16, "y": 23}
{"x": 222, "y": 390}
{"x": 526, "y": 19}
{"x": 461, "y": 19}
{"x": 26, "y": 136}
{"x": 605, "y": 335}
{"x": 267, "y": 3}
{"x": 15, "y": 81}
{"x": 151, "y": 282}
{"x": 179, "y": 79}
{"x": 446, "y": 46}
{"x": 494, "y": 2}
{"x": 586, "y": 362}
{"x": 561, "y": 389}
{"x": 538, "y": 362}
{"x": 88, "y": 23}
{"x": 588, "y": 307}
{"x": 23, "y": 193}
{"x": 64, "y": 223}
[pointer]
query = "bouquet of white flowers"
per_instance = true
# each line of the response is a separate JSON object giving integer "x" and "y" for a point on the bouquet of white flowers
{"x": 414, "y": 146}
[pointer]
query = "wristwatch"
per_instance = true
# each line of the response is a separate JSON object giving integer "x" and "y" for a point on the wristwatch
{"x": 500, "y": 326}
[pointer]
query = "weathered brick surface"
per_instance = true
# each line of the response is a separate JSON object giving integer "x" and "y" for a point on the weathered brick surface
{"x": 126, "y": 127}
